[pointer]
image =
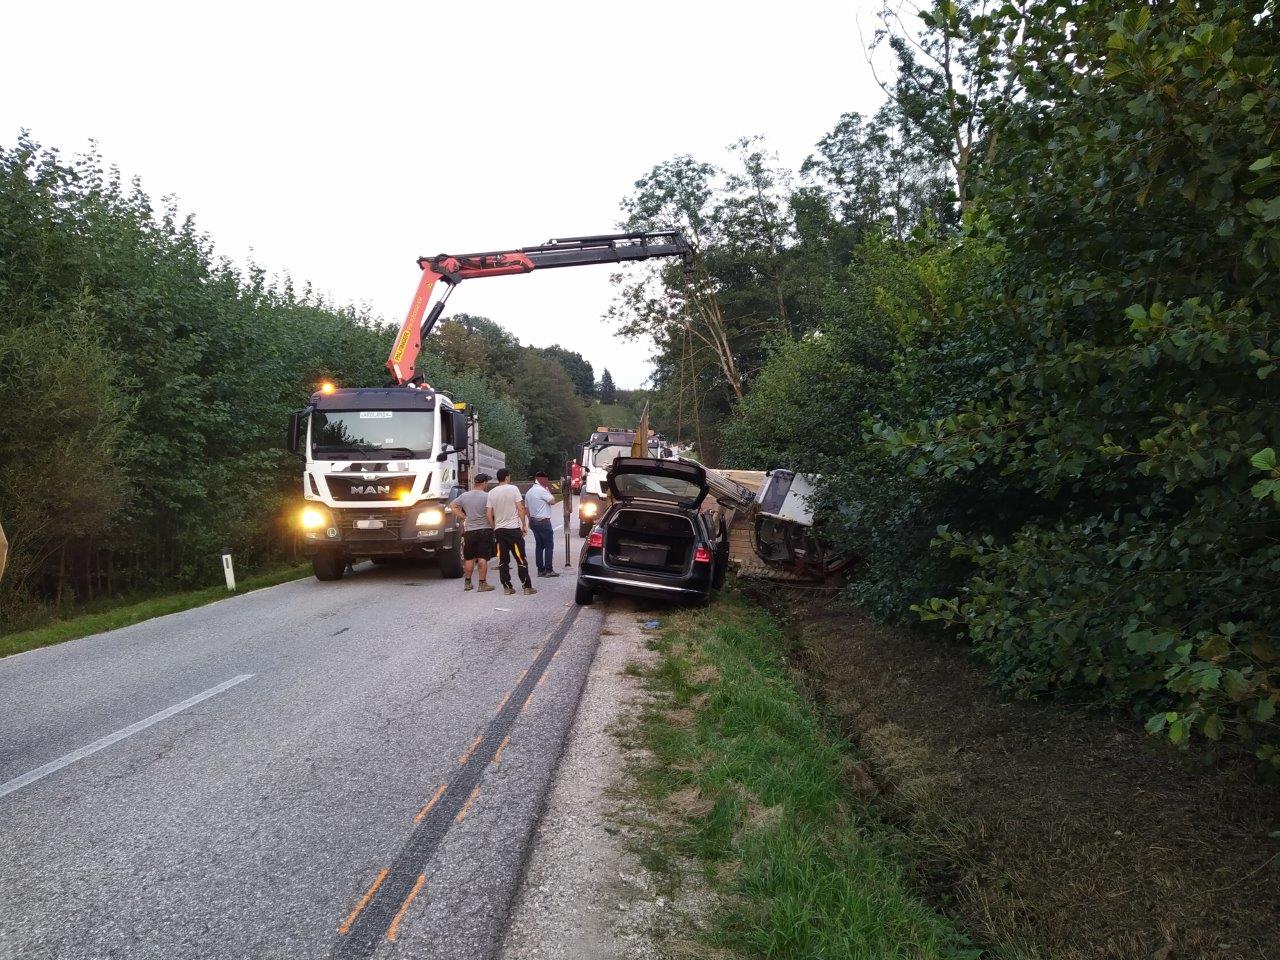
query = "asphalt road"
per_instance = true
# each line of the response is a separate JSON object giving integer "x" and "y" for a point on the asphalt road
{"x": 345, "y": 770}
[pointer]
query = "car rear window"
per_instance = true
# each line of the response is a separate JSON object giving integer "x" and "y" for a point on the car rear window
{"x": 647, "y": 485}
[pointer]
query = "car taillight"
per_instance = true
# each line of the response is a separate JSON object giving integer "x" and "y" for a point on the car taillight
{"x": 702, "y": 555}
{"x": 596, "y": 540}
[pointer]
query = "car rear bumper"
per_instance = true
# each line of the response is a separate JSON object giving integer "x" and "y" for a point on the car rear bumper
{"x": 626, "y": 583}
{"x": 593, "y": 572}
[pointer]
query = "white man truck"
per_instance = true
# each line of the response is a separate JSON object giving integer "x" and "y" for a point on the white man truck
{"x": 381, "y": 466}
{"x": 606, "y": 445}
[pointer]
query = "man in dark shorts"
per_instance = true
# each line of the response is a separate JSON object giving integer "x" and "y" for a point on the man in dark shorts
{"x": 477, "y": 532}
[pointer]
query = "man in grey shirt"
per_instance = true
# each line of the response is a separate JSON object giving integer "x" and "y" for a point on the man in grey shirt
{"x": 477, "y": 533}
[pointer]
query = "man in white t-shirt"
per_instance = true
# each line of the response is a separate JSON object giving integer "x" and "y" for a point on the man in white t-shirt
{"x": 510, "y": 523}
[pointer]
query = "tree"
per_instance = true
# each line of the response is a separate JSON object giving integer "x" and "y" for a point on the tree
{"x": 576, "y": 366}
{"x": 608, "y": 392}
{"x": 462, "y": 349}
{"x": 1129, "y": 415}
{"x": 556, "y": 418}
{"x": 502, "y": 350}
{"x": 953, "y": 77}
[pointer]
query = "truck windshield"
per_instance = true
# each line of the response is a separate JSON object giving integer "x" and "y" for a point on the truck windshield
{"x": 604, "y": 456}
{"x": 339, "y": 433}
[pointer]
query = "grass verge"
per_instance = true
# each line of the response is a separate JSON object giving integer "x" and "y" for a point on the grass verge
{"x": 130, "y": 613}
{"x": 767, "y": 800}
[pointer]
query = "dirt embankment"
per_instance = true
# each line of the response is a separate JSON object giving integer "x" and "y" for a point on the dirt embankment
{"x": 1053, "y": 831}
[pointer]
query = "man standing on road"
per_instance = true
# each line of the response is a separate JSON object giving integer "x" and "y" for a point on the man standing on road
{"x": 472, "y": 509}
{"x": 538, "y": 502}
{"x": 510, "y": 523}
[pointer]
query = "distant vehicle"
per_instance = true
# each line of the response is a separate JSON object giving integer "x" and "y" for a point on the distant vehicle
{"x": 606, "y": 445}
{"x": 654, "y": 540}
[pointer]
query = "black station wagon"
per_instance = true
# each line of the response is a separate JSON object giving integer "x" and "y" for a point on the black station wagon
{"x": 654, "y": 540}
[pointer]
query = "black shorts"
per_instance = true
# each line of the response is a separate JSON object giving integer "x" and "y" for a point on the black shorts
{"x": 477, "y": 544}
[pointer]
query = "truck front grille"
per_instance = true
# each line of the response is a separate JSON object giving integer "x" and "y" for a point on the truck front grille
{"x": 392, "y": 523}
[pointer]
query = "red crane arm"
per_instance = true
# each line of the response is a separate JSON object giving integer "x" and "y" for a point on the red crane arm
{"x": 571, "y": 252}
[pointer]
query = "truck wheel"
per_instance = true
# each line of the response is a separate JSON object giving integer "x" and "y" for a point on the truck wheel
{"x": 451, "y": 560}
{"x": 328, "y": 565}
{"x": 583, "y": 595}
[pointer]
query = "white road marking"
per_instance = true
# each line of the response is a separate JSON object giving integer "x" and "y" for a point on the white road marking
{"x": 65, "y": 761}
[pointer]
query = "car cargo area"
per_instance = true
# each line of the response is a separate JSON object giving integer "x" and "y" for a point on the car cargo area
{"x": 642, "y": 540}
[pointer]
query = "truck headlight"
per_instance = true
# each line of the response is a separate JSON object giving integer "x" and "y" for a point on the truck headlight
{"x": 431, "y": 517}
{"x": 589, "y": 509}
{"x": 313, "y": 519}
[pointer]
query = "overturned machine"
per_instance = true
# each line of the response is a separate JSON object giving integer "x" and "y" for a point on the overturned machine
{"x": 782, "y": 531}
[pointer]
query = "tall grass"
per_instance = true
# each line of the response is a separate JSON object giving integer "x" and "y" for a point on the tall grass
{"x": 805, "y": 869}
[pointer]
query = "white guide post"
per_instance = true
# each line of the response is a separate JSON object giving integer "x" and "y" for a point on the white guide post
{"x": 227, "y": 569}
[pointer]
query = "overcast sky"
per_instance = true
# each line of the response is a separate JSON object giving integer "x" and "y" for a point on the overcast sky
{"x": 338, "y": 142}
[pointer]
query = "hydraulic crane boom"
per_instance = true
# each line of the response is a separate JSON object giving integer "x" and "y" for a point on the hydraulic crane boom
{"x": 570, "y": 252}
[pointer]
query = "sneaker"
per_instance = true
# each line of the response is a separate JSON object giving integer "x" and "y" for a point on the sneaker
{"x": 466, "y": 585}
{"x": 484, "y": 587}
{"x": 508, "y": 589}
{"x": 551, "y": 573}
{"x": 528, "y": 591}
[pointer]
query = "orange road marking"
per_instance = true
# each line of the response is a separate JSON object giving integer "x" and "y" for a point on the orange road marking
{"x": 471, "y": 749}
{"x": 525, "y": 708}
{"x": 503, "y": 702}
{"x": 497, "y": 757}
{"x": 404, "y": 907}
{"x": 364, "y": 902}
{"x": 466, "y": 807}
{"x": 430, "y": 803}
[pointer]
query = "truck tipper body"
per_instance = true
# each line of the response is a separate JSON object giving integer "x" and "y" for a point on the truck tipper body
{"x": 381, "y": 466}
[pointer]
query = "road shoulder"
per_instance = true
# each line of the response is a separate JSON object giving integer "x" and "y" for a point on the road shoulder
{"x": 584, "y": 892}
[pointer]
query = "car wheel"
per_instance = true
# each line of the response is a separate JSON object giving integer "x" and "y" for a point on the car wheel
{"x": 329, "y": 565}
{"x": 583, "y": 595}
{"x": 451, "y": 560}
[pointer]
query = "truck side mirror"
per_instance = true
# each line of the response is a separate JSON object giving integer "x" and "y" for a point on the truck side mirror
{"x": 458, "y": 430}
{"x": 297, "y": 429}
{"x": 444, "y": 453}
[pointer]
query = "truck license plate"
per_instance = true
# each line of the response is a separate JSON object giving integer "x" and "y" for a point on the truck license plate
{"x": 370, "y": 524}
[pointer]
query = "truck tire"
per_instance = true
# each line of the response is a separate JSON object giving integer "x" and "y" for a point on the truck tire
{"x": 583, "y": 595}
{"x": 451, "y": 559}
{"x": 328, "y": 565}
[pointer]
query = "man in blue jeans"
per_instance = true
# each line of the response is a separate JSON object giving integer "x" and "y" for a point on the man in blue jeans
{"x": 538, "y": 501}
